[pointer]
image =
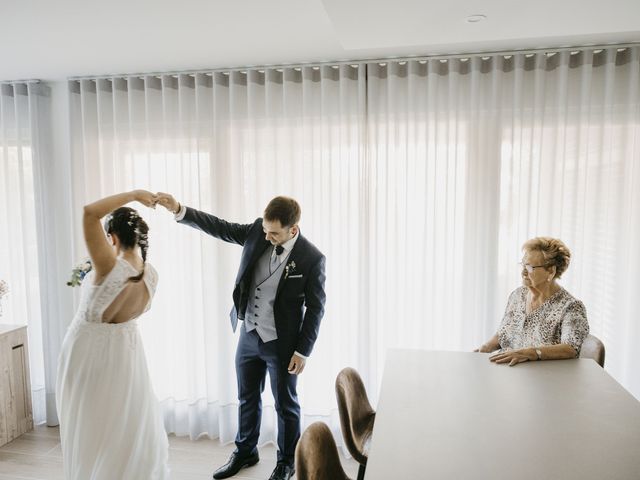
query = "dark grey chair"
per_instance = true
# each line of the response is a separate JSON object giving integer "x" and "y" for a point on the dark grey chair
{"x": 593, "y": 348}
{"x": 356, "y": 416}
{"x": 317, "y": 456}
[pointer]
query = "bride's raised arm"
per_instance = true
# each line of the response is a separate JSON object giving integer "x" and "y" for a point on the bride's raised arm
{"x": 103, "y": 256}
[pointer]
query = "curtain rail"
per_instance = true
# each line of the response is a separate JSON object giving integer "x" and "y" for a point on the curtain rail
{"x": 548, "y": 50}
{"x": 19, "y": 82}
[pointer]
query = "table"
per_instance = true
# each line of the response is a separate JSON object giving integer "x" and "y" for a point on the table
{"x": 456, "y": 415}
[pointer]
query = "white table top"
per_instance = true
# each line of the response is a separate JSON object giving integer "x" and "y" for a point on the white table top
{"x": 455, "y": 415}
{"x": 6, "y": 328}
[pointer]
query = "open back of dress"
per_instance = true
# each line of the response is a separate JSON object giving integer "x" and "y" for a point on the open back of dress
{"x": 130, "y": 303}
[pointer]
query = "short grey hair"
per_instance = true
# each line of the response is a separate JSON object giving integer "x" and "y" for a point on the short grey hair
{"x": 554, "y": 251}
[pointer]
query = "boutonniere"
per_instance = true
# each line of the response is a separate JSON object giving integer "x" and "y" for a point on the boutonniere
{"x": 79, "y": 272}
{"x": 289, "y": 269}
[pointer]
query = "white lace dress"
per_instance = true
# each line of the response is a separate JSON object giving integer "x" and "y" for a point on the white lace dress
{"x": 110, "y": 423}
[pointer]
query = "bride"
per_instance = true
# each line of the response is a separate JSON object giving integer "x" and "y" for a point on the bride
{"x": 110, "y": 424}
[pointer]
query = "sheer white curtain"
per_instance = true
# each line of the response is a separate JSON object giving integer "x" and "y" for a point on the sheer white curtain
{"x": 23, "y": 114}
{"x": 419, "y": 180}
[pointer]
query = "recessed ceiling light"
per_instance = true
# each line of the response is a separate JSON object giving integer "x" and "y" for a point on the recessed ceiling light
{"x": 476, "y": 18}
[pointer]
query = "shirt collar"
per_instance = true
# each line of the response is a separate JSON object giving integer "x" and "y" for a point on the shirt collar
{"x": 288, "y": 245}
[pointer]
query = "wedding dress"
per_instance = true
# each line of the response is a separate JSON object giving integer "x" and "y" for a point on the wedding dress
{"x": 110, "y": 423}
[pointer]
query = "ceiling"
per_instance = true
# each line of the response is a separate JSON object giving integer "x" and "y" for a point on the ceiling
{"x": 55, "y": 39}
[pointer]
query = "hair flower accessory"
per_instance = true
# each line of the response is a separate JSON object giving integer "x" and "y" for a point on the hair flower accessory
{"x": 79, "y": 272}
{"x": 143, "y": 239}
{"x": 289, "y": 269}
{"x": 133, "y": 218}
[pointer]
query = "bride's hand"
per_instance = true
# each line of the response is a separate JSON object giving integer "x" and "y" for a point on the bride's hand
{"x": 146, "y": 198}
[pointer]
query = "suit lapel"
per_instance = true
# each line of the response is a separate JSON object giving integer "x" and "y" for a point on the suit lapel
{"x": 296, "y": 253}
{"x": 254, "y": 256}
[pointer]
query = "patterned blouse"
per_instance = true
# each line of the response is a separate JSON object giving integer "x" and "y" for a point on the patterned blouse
{"x": 560, "y": 319}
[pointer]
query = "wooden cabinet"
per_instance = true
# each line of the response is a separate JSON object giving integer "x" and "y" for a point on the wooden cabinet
{"x": 16, "y": 416}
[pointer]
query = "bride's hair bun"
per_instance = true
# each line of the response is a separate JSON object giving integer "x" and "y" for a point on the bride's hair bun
{"x": 131, "y": 230}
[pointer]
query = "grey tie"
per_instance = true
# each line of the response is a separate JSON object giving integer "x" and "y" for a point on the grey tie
{"x": 275, "y": 262}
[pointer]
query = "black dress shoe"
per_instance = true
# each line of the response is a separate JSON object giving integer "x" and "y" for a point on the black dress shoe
{"x": 282, "y": 472}
{"x": 235, "y": 464}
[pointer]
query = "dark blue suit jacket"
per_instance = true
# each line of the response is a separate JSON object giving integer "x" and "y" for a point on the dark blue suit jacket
{"x": 300, "y": 298}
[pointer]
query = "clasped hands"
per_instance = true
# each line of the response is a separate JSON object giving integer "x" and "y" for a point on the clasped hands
{"x": 150, "y": 199}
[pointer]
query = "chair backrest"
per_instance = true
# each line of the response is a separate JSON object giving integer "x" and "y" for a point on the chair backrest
{"x": 593, "y": 348}
{"x": 356, "y": 415}
{"x": 317, "y": 456}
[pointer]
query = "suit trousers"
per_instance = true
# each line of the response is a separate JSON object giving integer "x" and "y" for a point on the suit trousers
{"x": 253, "y": 359}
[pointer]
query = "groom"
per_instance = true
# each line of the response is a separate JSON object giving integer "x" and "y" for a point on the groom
{"x": 279, "y": 295}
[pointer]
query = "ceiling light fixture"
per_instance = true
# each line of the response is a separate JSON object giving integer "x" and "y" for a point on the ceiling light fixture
{"x": 476, "y": 18}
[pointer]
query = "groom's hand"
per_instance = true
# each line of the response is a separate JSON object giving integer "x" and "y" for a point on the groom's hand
{"x": 168, "y": 202}
{"x": 296, "y": 365}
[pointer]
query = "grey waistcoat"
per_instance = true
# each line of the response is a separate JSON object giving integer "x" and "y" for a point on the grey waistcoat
{"x": 264, "y": 285}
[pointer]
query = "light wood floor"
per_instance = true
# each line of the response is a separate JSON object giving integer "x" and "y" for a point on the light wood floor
{"x": 37, "y": 456}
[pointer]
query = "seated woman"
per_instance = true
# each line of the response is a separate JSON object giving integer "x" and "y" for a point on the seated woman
{"x": 542, "y": 320}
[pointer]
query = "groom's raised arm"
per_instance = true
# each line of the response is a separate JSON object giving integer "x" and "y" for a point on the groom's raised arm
{"x": 205, "y": 222}
{"x": 216, "y": 227}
